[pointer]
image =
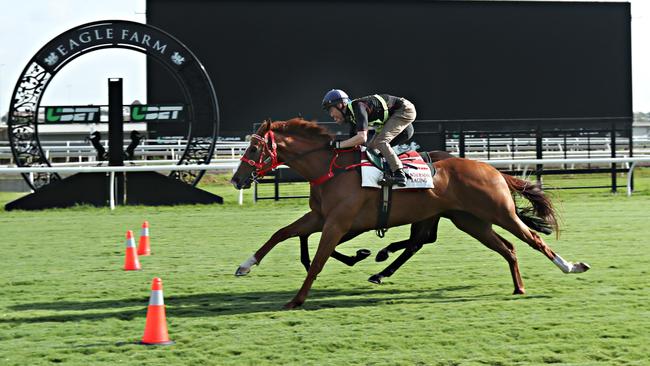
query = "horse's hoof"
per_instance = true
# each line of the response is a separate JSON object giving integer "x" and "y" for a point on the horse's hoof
{"x": 580, "y": 267}
{"x": 242, "y": 271}
{"x": 381, "y": 256}
{"x": 519, "y": 291}
{"x": 376, "y": 279}
{"x": 362, "y": 254}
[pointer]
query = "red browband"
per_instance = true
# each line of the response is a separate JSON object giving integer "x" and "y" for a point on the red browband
{"x": 272, "y": 152}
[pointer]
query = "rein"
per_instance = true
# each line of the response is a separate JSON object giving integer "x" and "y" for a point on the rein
{"x": 335, "y": 168}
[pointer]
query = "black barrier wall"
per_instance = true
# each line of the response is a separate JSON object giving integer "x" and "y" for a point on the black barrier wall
{"x": 454, "y": 60}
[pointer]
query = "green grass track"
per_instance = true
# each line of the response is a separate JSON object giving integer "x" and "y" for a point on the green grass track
{"x": 64, "y": 298}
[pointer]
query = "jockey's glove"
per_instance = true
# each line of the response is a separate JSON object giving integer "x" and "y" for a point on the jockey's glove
{"x": 335, "y": 144}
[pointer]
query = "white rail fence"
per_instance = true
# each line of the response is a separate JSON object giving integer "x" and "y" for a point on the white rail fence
{"x": 231, "y": 166}
{"x": 79, "y": 151}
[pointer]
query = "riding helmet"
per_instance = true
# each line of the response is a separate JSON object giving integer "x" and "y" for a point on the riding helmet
{"x": 333, "y": 97}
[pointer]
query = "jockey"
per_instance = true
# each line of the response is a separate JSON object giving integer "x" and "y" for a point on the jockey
{"x": 391, "y": 117}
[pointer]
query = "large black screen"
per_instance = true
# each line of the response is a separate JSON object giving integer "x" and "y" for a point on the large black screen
{"x": 454, "y": 60}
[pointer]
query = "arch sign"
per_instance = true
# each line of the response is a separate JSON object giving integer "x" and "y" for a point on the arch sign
{"x": 201, "y": 112}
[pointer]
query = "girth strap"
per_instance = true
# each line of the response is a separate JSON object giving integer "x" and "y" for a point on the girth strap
{"x": 385, "y": 199}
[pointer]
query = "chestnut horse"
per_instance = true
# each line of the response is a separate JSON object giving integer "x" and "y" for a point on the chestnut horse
{"x": 339, "y": 205}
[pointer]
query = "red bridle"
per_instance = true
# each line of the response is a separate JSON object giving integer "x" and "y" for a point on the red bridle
{"x": 271, "y": 151}
{"x": 263, "y": 166}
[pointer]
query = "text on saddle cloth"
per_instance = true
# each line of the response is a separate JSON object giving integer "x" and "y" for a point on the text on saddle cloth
{"x": 417, "y": 171}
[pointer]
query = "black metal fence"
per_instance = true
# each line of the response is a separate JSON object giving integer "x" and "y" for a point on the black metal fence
{"x": 573, "y": 137}
{"x": 279, "y": 177}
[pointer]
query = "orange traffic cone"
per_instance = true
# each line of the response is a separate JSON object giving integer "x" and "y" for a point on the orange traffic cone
{"x": 131, "y": 262}
{"x": 143, "y": 245}
{"x": 155, "y": 330}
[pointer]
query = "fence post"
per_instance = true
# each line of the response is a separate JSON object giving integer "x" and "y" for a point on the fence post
{"x": 539, "y": 154}
{"x": 564, "y": 165}
{"x": 111, "y": 190}
{"x": 630, "y": 183}
{"x": 613, "y": 154}
{"x": 461, "y": 141}
{"x": 255, "y": 192}
{"x": 489, "y": 147}
{"x": 630, "y": 179}
{"x": 31, "y": 180}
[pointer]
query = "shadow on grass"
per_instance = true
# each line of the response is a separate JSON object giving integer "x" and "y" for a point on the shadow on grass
{"x": 218, "y": 304}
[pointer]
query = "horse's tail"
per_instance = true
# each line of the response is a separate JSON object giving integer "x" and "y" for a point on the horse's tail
{"x": 542, "y": 216}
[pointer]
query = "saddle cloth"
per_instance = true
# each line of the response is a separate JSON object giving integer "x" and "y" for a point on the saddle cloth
{"x": 417, "y": 172}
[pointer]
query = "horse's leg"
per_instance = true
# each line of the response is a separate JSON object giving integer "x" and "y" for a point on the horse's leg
{"x": 482, "y": 231}
{"x": 304, "y": 251}
{"x": 310, "y": 223}
{"x": 397, "y": 263}
{"x": 349, "y": 260}
{"x": 383, "y": 254}
{"x": 516, "y": 275}
{"x": 337, "y": 225}
{"x": 514, "y": 225}
{"x": 422, "y": 232}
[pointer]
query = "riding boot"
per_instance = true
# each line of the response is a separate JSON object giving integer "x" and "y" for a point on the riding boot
{"x": 399, "y": 178}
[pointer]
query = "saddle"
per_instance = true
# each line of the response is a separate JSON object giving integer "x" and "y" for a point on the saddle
{"x": 378, "y": 161}
{"x": 419, "y": 172}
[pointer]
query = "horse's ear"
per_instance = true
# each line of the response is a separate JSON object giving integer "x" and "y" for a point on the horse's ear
{"x": 264, "y": 127}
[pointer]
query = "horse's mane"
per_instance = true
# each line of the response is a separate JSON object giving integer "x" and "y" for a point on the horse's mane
{"x": 300, "y": 127}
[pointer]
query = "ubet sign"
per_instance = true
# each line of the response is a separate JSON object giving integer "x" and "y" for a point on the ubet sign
{"x": 91, "y": 114}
